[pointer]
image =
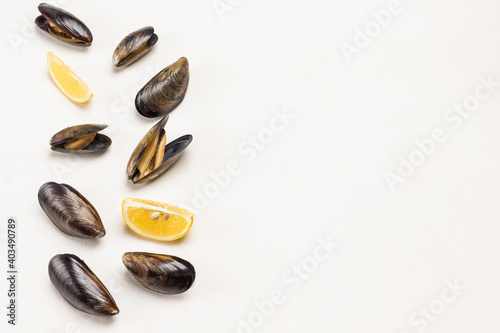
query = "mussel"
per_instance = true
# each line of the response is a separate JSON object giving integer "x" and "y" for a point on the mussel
{"x": 152, "y": 157}
{"x": 76, "y": 282}
{"x": 160, "y": 272}
{"x": 134, "y": 46}
{"x": 63, "y": 25}
{"x": 70, "y": 211}
{"x": 164, "y": 91}
{"x": 80, "y": 139}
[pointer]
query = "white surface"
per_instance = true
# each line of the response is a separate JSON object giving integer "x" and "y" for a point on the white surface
{"x": 321, "y": 176}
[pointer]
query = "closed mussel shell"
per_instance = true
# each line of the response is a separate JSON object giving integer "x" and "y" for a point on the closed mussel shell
{"x": 63, "y": 25}
{"x": 98, "y": 142}
{"x": 70, "y": 211}
{"x": 134, "y": 46}
{"x": 164, "y": 91}
{"x": 160, "y": 272}
{"x": 76, "y": 282}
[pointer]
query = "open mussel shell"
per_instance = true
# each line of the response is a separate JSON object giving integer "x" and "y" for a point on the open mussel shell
{"x": 164, "y": 91}
{"x": 160, "y": 272}
{"x": 171, "y": 152}
{"x": 63, "y": 25}
{"x": 142, "y": 146}
{"x": 76, "y": 282}
{"x": 80, "y": 139}
{"x": 70, "y": 211}
{"x": 134, "y": 46}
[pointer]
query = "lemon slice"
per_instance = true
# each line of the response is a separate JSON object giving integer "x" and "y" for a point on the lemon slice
{"x": 156, "y": 220}
{"x": 67, "y": 81}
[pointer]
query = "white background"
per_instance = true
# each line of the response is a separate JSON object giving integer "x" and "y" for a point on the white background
{"x": 320, "y": 177}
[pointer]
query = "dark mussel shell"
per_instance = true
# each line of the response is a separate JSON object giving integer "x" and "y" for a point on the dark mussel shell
{"x": 63, "y": 25}
{"x": 160, "y": 272}
{"x": 70, "y": 211}
{"x": 99, "y": 143}
{"x": 76, "y": 282}
{"x": 134, "y": 46}
{"x": 164, "y": 91}
{"x": 172, "y": 152}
